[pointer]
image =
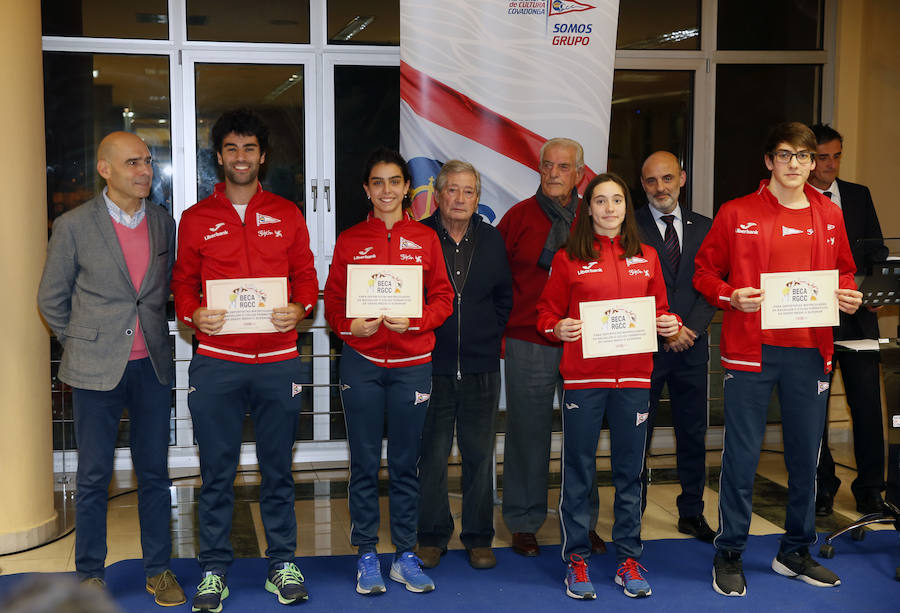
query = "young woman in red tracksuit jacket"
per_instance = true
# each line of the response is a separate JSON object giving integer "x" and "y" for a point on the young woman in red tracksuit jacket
{"x": 385, "y": 370}
{"x": 602, "y": 260}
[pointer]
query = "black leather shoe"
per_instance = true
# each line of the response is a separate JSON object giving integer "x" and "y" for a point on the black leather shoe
{"x": 696, "y": 527}
{"x": 871, "y": 503}
{"x": 824, "y": 505}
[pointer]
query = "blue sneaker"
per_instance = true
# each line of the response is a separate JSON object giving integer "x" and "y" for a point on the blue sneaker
{"x": 368, "y": 575}
{"x": 629, "y": 576}
{"x": 407, "y": 569}
{"x": 210, "y": 593}
{"x": 286, "y": 582}
{"x": 578, "y": 584}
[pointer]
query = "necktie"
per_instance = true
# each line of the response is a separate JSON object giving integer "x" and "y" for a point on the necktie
{"x": 827, "y": 195}
{"x": 673, "y": 251}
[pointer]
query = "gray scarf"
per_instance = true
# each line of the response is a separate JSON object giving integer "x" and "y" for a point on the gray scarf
{"x": 561, "y": 218}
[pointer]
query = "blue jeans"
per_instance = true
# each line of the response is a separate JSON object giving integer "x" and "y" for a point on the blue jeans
{"x": 470, "y": 404}
{"x": 626, "y": 412}
{"x": 803, "y": 395}
{"x": 97, "y": 416}
{"x": 370, "y": 393}
{"x": 222, "y": 392}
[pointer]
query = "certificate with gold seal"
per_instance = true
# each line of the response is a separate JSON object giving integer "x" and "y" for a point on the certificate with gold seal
{"x": 391, "y": 290}
{"x": 802, "y": 299}
{"x": 249, "y": 302}
{"x": 618, "y": 327}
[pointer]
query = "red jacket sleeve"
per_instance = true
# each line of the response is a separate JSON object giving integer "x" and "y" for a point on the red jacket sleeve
{"x": 303, "y": 282}
{"x": 186, "y": 274}
{"x": 553, "y": 305}
{"x": 713, "y": 263}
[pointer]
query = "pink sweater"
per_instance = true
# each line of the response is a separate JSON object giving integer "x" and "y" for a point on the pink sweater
{"x": 135, "y": 246}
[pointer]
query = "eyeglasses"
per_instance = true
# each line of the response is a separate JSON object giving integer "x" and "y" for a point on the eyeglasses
{"x": 783, "y": 156}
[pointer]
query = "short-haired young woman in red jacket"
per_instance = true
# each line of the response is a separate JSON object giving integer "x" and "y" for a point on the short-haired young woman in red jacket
{"x": 385, "y": 370}
{"x": 603, "y": 260}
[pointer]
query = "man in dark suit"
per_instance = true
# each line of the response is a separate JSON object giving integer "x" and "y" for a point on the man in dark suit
{"x": 859, "y": 370}
{"x": 103, "y": 293}
{"x": 682, "y": 360}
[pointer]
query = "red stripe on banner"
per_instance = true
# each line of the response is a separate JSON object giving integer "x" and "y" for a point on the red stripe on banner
{"x": 453, "y": 110}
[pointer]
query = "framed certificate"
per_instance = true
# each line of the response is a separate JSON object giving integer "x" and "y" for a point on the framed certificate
{"x": 249, "y": 302}
{"x": 373, "y": 290}
{"x": 802, "y": 299}
{"x": 618, "y": 327}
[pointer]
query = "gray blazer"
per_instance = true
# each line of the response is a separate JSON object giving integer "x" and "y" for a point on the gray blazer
{"x": 89, "y": 302}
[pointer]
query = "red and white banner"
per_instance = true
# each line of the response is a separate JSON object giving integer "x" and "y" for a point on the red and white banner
{"x": 489, "y": 82}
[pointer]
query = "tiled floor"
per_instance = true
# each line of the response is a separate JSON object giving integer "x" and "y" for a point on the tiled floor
{"x": 324, "y": 520}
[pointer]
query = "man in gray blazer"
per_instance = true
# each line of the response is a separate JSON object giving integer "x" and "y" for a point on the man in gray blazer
{"x": 103, "y": 293}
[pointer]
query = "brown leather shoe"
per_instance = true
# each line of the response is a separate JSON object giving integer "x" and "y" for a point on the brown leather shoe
{"x": 166, "y": 589}
{"x": 430, "y": 556}
{"x": 525, "y": 543}
{"x": 597, "y": 544}
{"x": 482, "y": 557}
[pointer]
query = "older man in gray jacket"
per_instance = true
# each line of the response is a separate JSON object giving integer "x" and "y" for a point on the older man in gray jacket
{"x": 103, "y": 293}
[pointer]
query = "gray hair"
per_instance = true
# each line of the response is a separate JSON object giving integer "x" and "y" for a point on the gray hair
{"x": 454, "y": 166}
{"x": 566, "y": 142}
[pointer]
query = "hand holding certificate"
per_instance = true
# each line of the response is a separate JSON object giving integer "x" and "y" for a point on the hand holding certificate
{"x": 618, "y": 327}
{"x": 248, "y": 302}
{"x": 802, "y": 299}
{"x": 390, "y": 290}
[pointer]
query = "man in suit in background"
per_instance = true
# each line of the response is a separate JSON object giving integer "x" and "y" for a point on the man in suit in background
{"x": 859, "y": 370}
{"x": 103, "y": 293}
{"x": 682, "y": 360}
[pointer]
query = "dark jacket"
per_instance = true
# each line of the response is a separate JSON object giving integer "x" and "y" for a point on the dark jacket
{"x": 469, "y": 341}
{"x": 684, "y": 300}
{"x": 861, "y": 222}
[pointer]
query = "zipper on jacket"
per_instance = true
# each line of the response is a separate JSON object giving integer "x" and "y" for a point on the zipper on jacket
{"x": 615, "y": 262}
{"x": 459, "y": 312}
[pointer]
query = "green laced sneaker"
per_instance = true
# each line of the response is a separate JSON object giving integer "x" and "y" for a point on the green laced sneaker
{"x": 286, "y": 582}
{"x": 210, "y": 593}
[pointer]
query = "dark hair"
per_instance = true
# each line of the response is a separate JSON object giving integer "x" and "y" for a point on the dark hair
{"x": 793, "y": 133}
{"x": 243, "y": 122}
{"x": 825, "y": 133}
{"x": 580, "y": 245}
{"x": 384, "y": 155}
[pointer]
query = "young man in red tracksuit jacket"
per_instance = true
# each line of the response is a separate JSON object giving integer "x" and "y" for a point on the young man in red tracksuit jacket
{"x": 784, "y": 226}
{"x": 242, "y": 231}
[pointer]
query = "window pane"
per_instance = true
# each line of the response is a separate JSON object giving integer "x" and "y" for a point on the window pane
{"x": 770, "y": 25}
{"x": 87, "y": 96}
{"x": 104, "y": 18}
{"x": 750, "y": 100}
{"x": 364, "y": 22}
{"x": 366, "y": 115}
{"x": 652, "y": 110}
{"x": 271, "y": 21}
{"x": 275, "y": 92}
{"x": 658, "y": 24}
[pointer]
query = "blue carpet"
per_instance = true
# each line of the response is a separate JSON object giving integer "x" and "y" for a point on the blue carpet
{"x": 679, "y": 572}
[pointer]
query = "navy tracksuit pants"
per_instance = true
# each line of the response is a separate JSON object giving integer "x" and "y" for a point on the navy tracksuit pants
{"x": 370, "y": 393}
{"x": 221, "y": 393}
{"x": 803, "y": 395}
{"x": 582, "y": 416}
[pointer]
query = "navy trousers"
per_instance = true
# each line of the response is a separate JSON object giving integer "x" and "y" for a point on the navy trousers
{"x": 369, "y": 393}
{"x": 626, "y": 413}
{"x": 97, "y": 416}
{"x": 469, "y": 404}
{"x": 862, "y": 383}
{"x": 803, "y": 395}
{"x": 222, "y": 392}
{"x": 688, "y": 392}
